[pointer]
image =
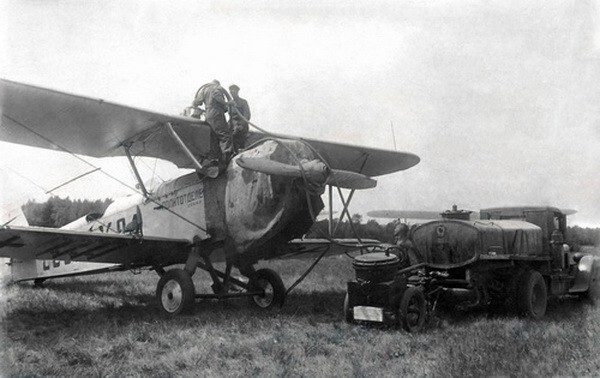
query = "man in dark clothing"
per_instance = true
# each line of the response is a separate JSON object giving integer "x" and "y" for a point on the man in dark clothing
{"x": 215, "y": 100}
{"x": 405, "y": 244}
{"x": 238, "y": 124}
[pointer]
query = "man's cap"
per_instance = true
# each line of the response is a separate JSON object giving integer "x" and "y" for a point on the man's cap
{"x": 234, "y": 87}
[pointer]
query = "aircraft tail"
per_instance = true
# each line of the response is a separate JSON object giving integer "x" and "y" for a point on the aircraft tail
{"x": 40, "y": 270}
{"x": 11, "y": 215}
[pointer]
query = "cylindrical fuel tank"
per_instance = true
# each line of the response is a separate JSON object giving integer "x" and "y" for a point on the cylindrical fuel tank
{"x": 457, "y": 242}
{"x": 375, "y": 267}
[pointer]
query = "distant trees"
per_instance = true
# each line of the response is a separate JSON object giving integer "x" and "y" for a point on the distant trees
{"x": 57, "y": 212}
{"x": 343, "y": 229}
{"x": 578, "y": 236}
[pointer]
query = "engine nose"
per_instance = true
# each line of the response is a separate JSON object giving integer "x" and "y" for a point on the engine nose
{"x": 261, "y": 207}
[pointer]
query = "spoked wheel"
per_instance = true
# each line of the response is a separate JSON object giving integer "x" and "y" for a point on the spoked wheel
{"x": 413, "y": 310}
{"x": 270, "y": 283}
{"x": 532, "y": 296}
{"x": 175, "y": 292}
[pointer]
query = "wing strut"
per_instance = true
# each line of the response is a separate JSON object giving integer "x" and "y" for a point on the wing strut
{"x": 211, "y": 172}
{"x": 345, "y": 211}
{"x": 135, "y": 171}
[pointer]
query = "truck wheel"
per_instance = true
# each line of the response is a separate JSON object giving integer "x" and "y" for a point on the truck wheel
{"x": 348, "y": 312}
{"x": 532, "y": 295}
{"x": 413, "y": 310}
{"x": 175, "y": 292}
{"x": 272, "y": 285}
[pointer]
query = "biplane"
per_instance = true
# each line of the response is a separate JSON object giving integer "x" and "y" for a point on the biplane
{"x": 257, "y": 208}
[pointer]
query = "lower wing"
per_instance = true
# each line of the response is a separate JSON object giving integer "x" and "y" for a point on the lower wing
{"x": 33, "y": 243}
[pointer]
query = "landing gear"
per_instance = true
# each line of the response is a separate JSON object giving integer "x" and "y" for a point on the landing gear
{"x": 175, "y": 292}
{"x": 270, "y": 286}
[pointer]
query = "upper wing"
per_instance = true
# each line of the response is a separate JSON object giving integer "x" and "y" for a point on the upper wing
{"x": 46, "y": 118}
{"x": 368, "y": 161}
{"x": 26, "y": 243}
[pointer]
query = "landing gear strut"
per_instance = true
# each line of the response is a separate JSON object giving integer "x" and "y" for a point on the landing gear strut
{"x": 176, "y": 293}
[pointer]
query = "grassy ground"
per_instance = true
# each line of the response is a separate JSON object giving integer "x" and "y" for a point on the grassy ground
{"x": 110, "y": 325}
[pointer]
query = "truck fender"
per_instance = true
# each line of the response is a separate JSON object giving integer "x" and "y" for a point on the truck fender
{"x": 587, "y": 276}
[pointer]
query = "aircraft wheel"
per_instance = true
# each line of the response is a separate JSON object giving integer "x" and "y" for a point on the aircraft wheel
{"x": 274, "y": 291}
{"x": 348, "y": 313}
{"x": 413, "y": 310}
{"x": 175, "y": 292}
{"x": 532, "y": 295}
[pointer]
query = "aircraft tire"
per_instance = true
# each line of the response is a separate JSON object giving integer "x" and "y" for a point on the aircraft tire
{"x": 532, "y": 295}
{"x": 271, "y": 283}
{"x": 412, "y": 310}
{"x": 175, "y": 292}
{"x": 348, "y": 313}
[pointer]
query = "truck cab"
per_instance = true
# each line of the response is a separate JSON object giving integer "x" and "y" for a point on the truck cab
{"x": 551, "y": 220}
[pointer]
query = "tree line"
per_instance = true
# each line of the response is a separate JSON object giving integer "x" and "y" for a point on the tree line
{"x": 576, "y": 236}
{"x": 57, "y": 212}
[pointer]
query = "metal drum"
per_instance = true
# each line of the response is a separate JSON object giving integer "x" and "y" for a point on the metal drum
{"x": 375, "y": 267}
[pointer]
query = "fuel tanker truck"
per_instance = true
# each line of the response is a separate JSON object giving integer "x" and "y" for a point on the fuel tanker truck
{"x": 514, "y": 256}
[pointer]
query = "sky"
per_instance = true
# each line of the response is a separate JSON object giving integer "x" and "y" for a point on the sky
{"x": 499, "y": 99}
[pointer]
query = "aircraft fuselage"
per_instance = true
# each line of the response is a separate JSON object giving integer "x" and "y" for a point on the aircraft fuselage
{"x": 250, "y": 212}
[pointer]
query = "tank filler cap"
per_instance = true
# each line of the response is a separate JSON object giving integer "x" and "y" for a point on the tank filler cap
{"x": 455, "y": 213}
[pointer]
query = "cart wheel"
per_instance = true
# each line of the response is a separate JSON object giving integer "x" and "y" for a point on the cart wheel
{"x": 175, "y": 292}
{"x": 348, "y": 312}
{"x": 532, "y": 295}
{"x": 413, "y": 310}
{"x": 274, "y": 291}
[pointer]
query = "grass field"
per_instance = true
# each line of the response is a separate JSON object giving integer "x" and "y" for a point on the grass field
{"x": 110, "y": 325}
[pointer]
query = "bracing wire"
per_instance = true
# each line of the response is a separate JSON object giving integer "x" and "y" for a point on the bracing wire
{"x": 64, "y": 149}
